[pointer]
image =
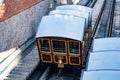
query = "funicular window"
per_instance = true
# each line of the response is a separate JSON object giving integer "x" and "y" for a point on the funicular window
{"x": 44, "y": 43}
{"x": 59, "y": 46}
{"x": 74, "y": 47}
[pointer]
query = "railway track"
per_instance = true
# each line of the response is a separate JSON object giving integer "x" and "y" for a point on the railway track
{"x": 110, "y": 21}
{"x": 96, "y": 20}
{"x": 64, "y": 74}
{"x": 106, "y": 20}
{"x": 116, "y": 21}
{"x": 85, "y": 2}
{"x": 109, "y": 24}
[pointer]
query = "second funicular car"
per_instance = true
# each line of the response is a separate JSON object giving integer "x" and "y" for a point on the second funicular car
{"x": 104, "y": 61}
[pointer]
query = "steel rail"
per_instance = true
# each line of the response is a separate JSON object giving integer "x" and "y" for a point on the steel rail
{"x": 40, "y": 73}
{"x": 104, "y": 22}
{"x": 97, "y": 21}
{"x": 93, "y": 3}
{"x": 110, "y": 22}
{"x": 88, "y": 3}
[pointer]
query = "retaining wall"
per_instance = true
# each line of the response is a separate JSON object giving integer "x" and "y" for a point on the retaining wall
{"x": 19, "y": 25}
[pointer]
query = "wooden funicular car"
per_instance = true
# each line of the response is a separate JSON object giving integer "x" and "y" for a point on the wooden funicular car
{"x": 63, "y": 37}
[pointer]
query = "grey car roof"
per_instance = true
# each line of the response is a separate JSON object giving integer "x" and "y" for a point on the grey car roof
{"x": 71, "y": 12}
{"x": 65, "y": 26}
{"x": 76, "y": 7}
{"x": 103, "y": 44}
{"x": 101, "y": 75}
{"x": 107, "y": 60}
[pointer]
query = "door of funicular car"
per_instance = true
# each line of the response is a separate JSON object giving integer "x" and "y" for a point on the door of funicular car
{"x": 59, "y": 49}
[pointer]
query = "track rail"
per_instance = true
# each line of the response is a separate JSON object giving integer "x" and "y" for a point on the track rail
{"x": 110, "y": 22}
{"x": 95, "y": 27}
{"x": 93, "y": 3}
{"x": 105, "y": 21}
{"x": 40, "y": 73}
{"x": 64, "y": 74}
{"x": 86, "y": 2}
{"x": 116, "y": 20}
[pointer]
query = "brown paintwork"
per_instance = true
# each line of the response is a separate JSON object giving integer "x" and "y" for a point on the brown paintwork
{"x": 13, "y": 7}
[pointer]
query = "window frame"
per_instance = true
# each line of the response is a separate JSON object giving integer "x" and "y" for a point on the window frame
{"x": 69, "y": 47}
{"x": 59, "y": 52}
{"x": 48, "y": 43}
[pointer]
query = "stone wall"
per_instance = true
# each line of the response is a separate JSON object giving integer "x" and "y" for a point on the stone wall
{"x": 12, "y": 7}
{"x": 16, "y": 29}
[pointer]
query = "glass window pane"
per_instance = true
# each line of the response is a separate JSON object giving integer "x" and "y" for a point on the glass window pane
{"x": 44, "y": 43}
{"x": 59, "y": 46}
{"x": 74, "y": 47}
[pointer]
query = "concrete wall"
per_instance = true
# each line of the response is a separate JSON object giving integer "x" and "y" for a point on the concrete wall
{"x": 15, "y": 30}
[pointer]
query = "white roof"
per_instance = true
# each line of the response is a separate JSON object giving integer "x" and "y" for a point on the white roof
{"x": 108, "y": 60}
{"x": 101, "y": 75}
{"x": 76, "y": 7}
{"x": 71, "y": 12}
{"x": 103, "y": 44}
{"x": 62, "y": 26}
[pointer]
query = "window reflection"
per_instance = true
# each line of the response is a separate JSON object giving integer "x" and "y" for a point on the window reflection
{"x": 59, "y": 46}
{"x": 44, "y": 43}
{"x": 74, "y": 47}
